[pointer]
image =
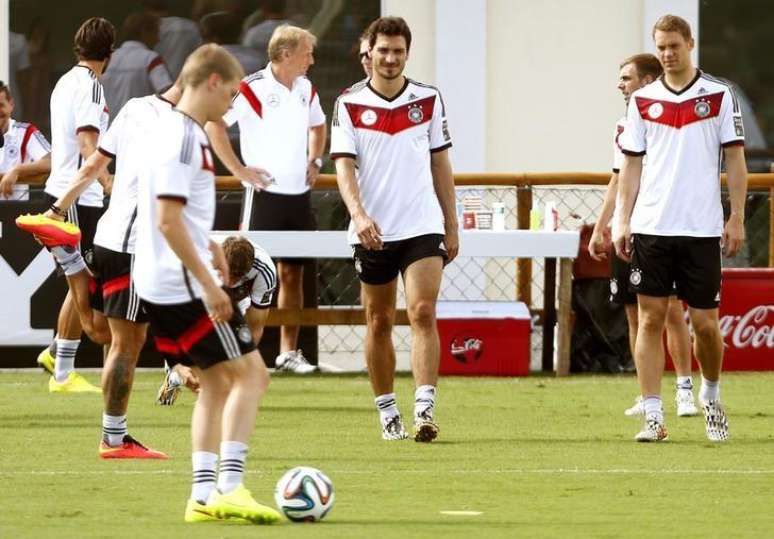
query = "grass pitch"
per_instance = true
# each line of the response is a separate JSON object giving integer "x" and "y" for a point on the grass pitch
{"x": 528, "y": 457}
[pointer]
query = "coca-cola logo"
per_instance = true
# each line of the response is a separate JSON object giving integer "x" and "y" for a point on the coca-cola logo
{"x": 466, "y": 349}
{"x": 749, "y": 329}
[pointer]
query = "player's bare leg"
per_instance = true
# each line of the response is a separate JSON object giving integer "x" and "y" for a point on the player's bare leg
{"x": 423, "y": 282}
{"x": 291, "y": 296}
{"x": 65, "y": 379}
{"x": 94, "y": 324}
{"x": 649, "y": 357}
{"x": 632, "y": 321}
{"x": 117, "y": 381}
{"x": 223, "y": 420}
{"x": 679, "y": 346}
{"x": 256, "y": 321}
{"x": 708, "y": 347}
{"x": 379, "y": 305}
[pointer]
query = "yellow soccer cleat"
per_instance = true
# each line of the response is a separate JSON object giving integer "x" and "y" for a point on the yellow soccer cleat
{"x": 50, "y": 232}
{"x": 240, "y": 504}
{"x": 46, "y": 361}
{"x": 75, "y": 383}
{"x": 198, "y": 512}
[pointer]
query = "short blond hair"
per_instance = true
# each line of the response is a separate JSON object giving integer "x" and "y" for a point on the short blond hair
{"x": 287, "y": 38}
{"x": 673, "y": 23}
{"x": 205, "y": 61}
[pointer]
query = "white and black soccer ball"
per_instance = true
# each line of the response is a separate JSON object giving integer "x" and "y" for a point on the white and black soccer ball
{"x": 304, "y": 494}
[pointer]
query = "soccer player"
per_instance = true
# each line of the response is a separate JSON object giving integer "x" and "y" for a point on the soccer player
{"x": 26, "y": 151}
{"x": 364, "y": 55}
{"x": 114, "y": 295}
{"x": 281, "y": 130}
{"x": 671, "y": 220}
{"x": 78, "y": 116}
{"x": 402, "y": 205}
{"x": 636, "y": 72}
{"x": 176, "y": 275}
{"x": 252, "y": 280}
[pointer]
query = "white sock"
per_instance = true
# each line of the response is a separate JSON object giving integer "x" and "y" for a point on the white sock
{"x": 232, "y": 465}
{"x": 709, "y": 391}
{"x": 69, "y": 258}
{"x": 424, "y": 400}
{"x": 204, "y": 466}
{"x": 65, "y": 358}
{"x": 387, "y": 407}
{"x": 653, "y": 409}
{"x": 684, "y": 382}
{"x": 113, "y": 429}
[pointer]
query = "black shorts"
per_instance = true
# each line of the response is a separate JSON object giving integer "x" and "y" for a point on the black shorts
{"x": 273, "y": 211}
{"x": 86, "y": 218}
{"x": 689, "y": 265}
{"x": 619, "y": 282}
{"x": 184, "y": 333}
{"x": 620, "y": 288}
{"x": 113, "y": 292}
{"x": 382, "y": 267}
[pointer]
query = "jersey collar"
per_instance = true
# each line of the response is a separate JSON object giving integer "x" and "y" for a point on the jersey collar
{"x": 393, "y": 98}
{"x": 270, "y": 75}
{"x": 687, "y": 87}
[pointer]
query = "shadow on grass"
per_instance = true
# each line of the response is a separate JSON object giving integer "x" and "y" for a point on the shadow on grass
{"x": 328, "y": 409}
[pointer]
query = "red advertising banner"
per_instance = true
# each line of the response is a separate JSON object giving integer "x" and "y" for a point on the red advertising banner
{"x": 747, "y": 319}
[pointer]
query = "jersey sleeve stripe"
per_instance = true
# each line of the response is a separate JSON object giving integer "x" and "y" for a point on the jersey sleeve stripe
{"x": 87, "y": 128}
{"x": 339, "y": 155}
{"x": 106, "y": 153}
{"x": 178, "y": 198}
{"x": 314, "y": 93}
{"x": 252, "y": 99}
{"x": 739, "y": 142}
{"x": 441, "y": 148}
{"x": 25, "y": 140}
{"x": 156, "y": 62}
{"x": 186, "y": 151}
{"x": 42, "y": 140}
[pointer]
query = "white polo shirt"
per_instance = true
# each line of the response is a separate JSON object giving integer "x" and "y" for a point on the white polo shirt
{"x": 180, "y": 167}
{"x": 134, "y": 71}
{"x": 126, "y": 141}
{"x": 274, "y": 124}
{"x": 77, "y": 104}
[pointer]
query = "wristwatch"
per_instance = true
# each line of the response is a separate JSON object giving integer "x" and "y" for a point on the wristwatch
{"x": 316, "y": 162}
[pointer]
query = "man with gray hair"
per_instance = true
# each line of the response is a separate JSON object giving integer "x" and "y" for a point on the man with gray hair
{"x": 282, "y": 138}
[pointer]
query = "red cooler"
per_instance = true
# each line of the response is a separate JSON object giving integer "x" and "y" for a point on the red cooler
{"x": 484, "y": 338}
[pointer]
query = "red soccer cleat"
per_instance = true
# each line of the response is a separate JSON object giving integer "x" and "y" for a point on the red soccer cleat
{"x": 130, "y": 449}
{"x": 50, "y": 232}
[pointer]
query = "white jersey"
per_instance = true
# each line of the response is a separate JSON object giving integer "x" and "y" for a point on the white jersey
{"x": 77, "y": 104}
{"x": 23, "y": 144}
{"x": 134, "y": 71}
{"x": 683, "y": 134}
{"x": 125, "y": 141}
{"x": 178, "y": 37}
{"x": 180, "y": 168}
{"x": 391, "y": 140}
{"x": 274, "y": 124}
{"x": 256, "y": 288}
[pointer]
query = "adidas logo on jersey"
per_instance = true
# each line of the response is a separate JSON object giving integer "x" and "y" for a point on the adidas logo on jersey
{"x": 702, "y": 91}
{"x": 412, "y": 97}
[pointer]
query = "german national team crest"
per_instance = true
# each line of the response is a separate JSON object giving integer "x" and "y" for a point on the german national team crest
{"x": 368, "y": 117}
{"x": 635, "y": 277}
{"x": 303, "y": 100}
{"x": 415, "y": 114}
{"x": 702, "y": 109}
{"x": 11, "y": 151}
{"x": 244, "y": 334}
{"x": 655, "y": 110}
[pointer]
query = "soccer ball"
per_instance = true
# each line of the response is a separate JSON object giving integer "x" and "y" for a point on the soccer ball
{"x": 304, "y": 494}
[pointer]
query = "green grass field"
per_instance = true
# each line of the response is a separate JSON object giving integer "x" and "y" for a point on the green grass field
{"x": 537, "y": 457}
